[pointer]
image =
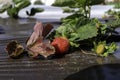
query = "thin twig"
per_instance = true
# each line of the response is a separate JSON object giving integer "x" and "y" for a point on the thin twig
{"x": 88, "y": 53}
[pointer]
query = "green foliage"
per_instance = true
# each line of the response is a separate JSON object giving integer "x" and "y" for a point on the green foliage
{"x": 114, "y": 14}
{"x": 82, "y": 5}
{"x": 108, "y": 48}
{"x": 117, "y": 5}
{"x": 22, "y": 4}
{"x": 94, "y": 2}
{"x": 63, "y": 3}
{"x": 105, "y": 29}
{"x": 17, "y": 1}
{"x": 113, "y": 23}
{"x": 82, "y": 29}
{"x": 87, "y": 31}
{"x": 76, "y": 3}
{"x": 4, "y": 7}
{"x": 13, "y": 12}
{"x": 102, "y": 29}
{"x": 82, "y": 21}
{"x": 77, "y": 30}
{"x": 38, "y": 2}
{"x": 71, "y": 17}
{"x": 13, "y": 9}
{"x": 67, "y": 10}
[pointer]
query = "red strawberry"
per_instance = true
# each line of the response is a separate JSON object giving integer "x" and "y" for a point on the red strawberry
{"x": 61, "y": 45}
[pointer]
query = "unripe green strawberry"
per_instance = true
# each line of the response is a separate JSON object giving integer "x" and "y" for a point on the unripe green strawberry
{"x": 100, "y": 49}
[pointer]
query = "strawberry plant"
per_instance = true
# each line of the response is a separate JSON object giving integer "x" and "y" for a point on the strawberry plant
{"x": 14, "y": 8}
{"x": 80, "y": 29}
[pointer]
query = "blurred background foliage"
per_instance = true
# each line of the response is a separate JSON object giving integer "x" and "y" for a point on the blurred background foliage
{"x": 70, "y": 6}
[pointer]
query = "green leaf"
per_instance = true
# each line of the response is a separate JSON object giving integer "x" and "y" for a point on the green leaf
{"x": 5, "y": 7}
{"x": 62, "y": 3}
{"x": 74, "y": 44}
{"x": 115, "y": 14}
{"x": 17, "y": 1}
{"x": 22, "y": 4}
{"x": 13, "y": 12}
{"x": 87, "y": 31}
{"x": 73, "y": 16}
{"x": 94, "y": 2}
{"x": 110, "y": 49}
{"x": 117, "y": 5}
{"x": 67, "y": 10}
{"x": 82, "y": 21}
{"x": 38, "y": 2}
{"x": 76, "y": 3}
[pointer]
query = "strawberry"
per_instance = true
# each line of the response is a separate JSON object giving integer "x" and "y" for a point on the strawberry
{"x": 100, "y": 49}
{"x": 61, "y": 45}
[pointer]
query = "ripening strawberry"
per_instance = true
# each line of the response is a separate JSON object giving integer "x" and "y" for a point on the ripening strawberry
{"x": 100, "y": 49}
{"x": 61, "y": 45}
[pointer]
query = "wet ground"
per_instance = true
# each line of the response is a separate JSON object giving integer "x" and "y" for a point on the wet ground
{"x": 73, "y": 66}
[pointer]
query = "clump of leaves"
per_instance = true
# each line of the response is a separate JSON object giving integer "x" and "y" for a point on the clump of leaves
{"x": 13, "y": 9}
{"x": 75, "y": 30}
{"x": 68, "y": 10}
{"x": 79, "y": 29}
{"x": 113, "y": 23}
{"x": 114, "y": 14}
{"x": 63, "y": 3}
{"x": 38, "y": 2}
{"x": 72, "y": 4}
{"x": 107, "y": 28}
{"x": 117, "y": 5}
{"x": 83, "y": 6}
{"x": 103, "y": 49}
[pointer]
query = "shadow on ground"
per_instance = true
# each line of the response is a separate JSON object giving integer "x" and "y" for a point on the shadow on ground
{"x": 2, "y": 30}
{"x": 98, "y": 72}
